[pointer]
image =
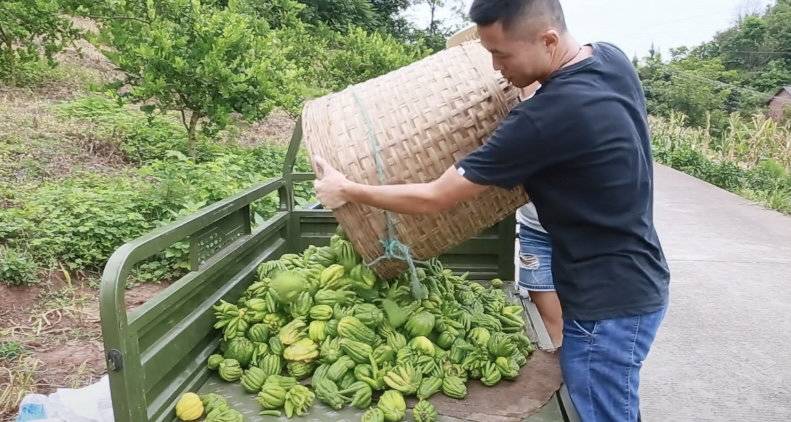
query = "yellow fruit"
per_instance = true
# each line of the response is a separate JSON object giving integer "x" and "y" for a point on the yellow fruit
{"x": 189, "y": 407}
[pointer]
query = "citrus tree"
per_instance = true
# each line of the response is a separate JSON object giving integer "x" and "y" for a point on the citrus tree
{"x": 202, "y": 60}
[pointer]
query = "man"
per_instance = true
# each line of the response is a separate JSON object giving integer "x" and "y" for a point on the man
{"x": 581, "y": 149}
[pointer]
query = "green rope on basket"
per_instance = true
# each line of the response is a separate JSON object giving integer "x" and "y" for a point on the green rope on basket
{"x": 392, "y": 246}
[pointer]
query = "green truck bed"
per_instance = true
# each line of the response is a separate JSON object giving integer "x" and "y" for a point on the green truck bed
{"x": 158, "y": 351}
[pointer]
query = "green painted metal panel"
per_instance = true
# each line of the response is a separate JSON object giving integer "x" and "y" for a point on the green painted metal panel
{"x": 128, "y": 383}
{"x": 207, "y": 242}
{"x": 302, "y": 177}
{"x": 180, "y": 291}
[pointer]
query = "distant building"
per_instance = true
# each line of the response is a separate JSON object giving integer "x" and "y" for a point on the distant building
{"x": 780, "y": 103}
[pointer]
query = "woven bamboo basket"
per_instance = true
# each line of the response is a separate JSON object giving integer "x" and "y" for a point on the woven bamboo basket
{"x": 469, "y": 33}
{"x": 423, "y": 118}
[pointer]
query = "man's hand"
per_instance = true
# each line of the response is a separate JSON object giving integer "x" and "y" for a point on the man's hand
{"x": 335, "y": 190}
{"x": 329, "y": 184}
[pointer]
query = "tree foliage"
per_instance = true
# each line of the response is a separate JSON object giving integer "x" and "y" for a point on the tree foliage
{"x": 30, "y": 30}
{"x": 208, "y": 60}
{"x": 211, "y": 58}
{"x": 738, "y": 71}
{"x": 201, "y": 60}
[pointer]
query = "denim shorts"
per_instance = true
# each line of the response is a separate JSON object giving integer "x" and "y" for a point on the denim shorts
{"x": 535, "y": 260}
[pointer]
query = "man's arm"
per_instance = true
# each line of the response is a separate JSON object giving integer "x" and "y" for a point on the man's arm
{"x": 334, "y": 190}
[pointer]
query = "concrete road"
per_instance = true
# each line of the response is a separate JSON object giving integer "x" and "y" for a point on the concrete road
{"x": 724, "y": 351}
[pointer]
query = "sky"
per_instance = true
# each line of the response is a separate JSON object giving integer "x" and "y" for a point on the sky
{"x": 634, "y": 25}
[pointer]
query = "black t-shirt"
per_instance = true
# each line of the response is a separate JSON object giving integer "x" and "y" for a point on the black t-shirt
{"x": 581, "y": 148}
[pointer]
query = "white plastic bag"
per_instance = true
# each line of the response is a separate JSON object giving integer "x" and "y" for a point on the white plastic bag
{"x": 87, "y": 404}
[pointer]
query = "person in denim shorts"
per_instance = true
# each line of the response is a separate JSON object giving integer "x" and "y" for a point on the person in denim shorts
{"x": 535, "y": 271}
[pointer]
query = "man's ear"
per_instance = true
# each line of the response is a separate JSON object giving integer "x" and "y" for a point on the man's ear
{"x": 551, "y": 38}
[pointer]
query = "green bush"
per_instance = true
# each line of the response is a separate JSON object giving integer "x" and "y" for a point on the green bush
{"x": 17, "y": 268}
{"x": 80, "y": 221}
{"x": 11, "y": 349}
{"x": 182, "y": 187}
{"x": 180, "y": 180}
{"x": 140, "y": 137}
{"x": 767, "y": 175}
{"x": 770, "y": 184}
{"x": 726, "y": 175}
{"x": 332, "y": 60}
{"x": 30, "y": 73}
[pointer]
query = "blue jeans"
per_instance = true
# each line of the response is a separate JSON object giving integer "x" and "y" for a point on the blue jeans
{"x": 535, "y": 260}
{"x": 601, "y": 363}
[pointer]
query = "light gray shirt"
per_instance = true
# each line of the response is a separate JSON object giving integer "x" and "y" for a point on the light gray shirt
{"x": 527, "y": 215}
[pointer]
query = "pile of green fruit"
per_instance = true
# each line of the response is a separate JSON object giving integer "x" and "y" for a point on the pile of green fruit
{"x": 192, "y": 407}
{"x": 324, "y": 315}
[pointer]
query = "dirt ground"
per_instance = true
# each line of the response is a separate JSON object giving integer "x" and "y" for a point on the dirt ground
{"x": 51, "y": 337}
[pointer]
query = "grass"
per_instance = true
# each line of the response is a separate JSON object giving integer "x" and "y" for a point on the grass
{"x": 54, "y": 305}
{"x": 76, "y": 71}
{"x": 751, "y": 158}
{"x": 36, "y": 145}
{"x": 77, "y": 379}
{"x": 18, "y": 377}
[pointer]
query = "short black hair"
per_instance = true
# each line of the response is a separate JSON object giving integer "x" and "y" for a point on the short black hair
{"x": 510, "y": 12}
